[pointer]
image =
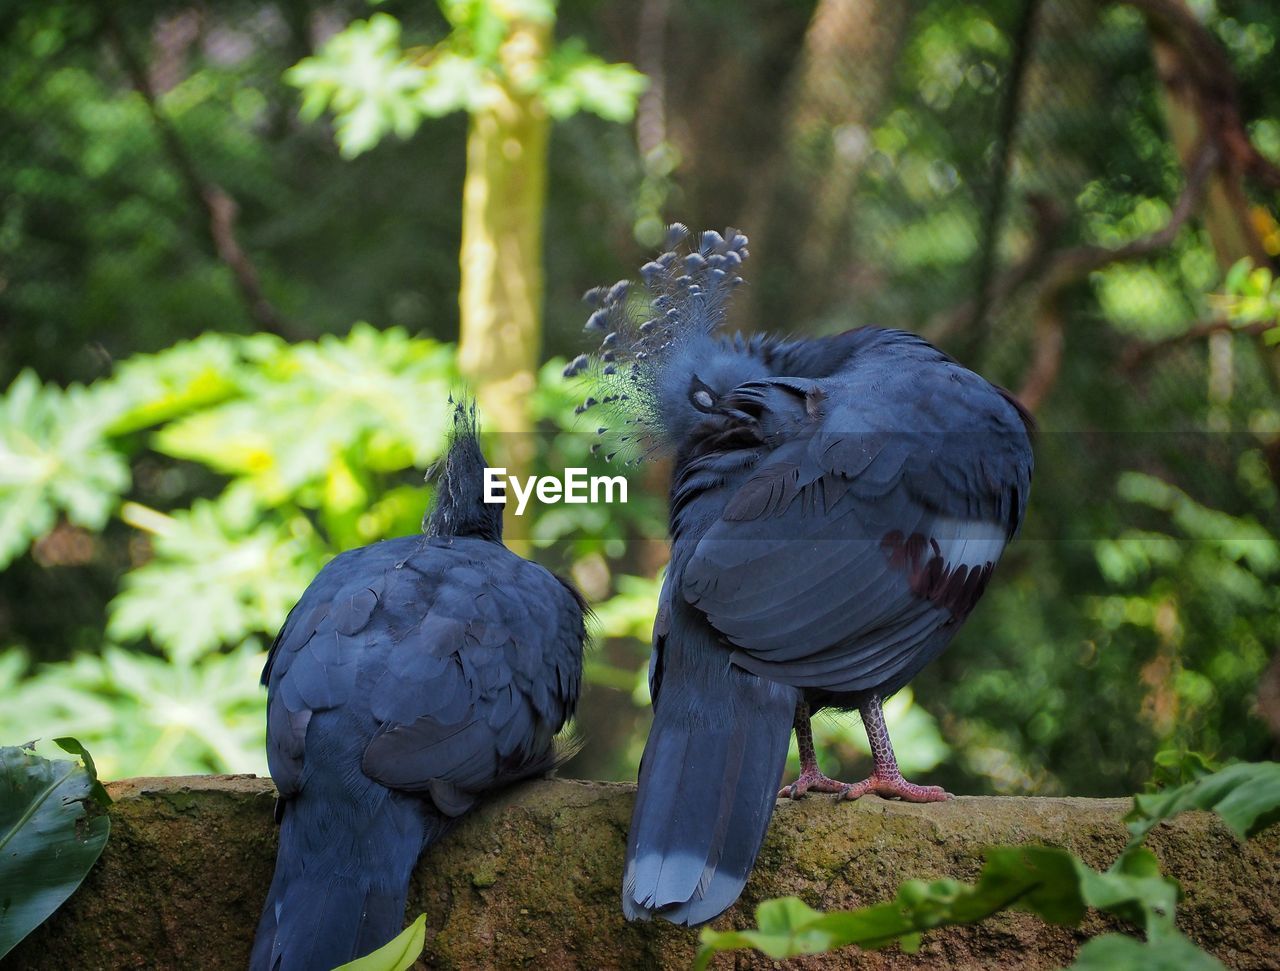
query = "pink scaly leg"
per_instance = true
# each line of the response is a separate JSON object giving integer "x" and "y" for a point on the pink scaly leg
{"x": 811, "y": 778}
{"x": 885, "y": 780}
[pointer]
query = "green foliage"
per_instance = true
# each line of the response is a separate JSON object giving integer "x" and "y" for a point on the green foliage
{"x": 150, "y": 389}
{"x": 1245, "y": 795}
{"x": 318, "y": 447}
{"x": 146, "y": 715}
{"x": 1252, "y": 296}
{"x": 576, "y": 80}
{"x": 53, "y": 458}
{"x": 374, "y": 87}
{"x": 1135, "y": 613}
{"x": 1118, "y": 952}
{"x": 234, "y": 572}
{"x": 373, "y": 394}
{"x": 1051, "y": 883}
{"x": 398, "y": 954}
{"x": 1039, "y": 879}
{"x": 352, "y": 420}
{"x": 52, "y": 830}
{"x": 361, "y": 74}
{"x": 1175, "y": 767}
{"x": 1207, "y": 571}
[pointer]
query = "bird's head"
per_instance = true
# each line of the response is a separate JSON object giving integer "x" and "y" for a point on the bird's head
{"x": 662, "y": 364}
{"x": 459, "y": 508}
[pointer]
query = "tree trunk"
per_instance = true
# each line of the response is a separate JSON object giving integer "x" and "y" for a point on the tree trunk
{"x": 841, "y": 82}
{"x": 504, "y": 196}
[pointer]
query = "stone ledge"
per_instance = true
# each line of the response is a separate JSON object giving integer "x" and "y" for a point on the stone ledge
{"x": 533, "y": 879}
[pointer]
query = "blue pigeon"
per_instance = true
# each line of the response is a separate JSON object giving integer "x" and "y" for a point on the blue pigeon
{"x": 837, "y": 507}
{"x": 415, "y": 677}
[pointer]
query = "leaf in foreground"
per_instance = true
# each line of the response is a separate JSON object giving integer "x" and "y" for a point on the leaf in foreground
{"x": 1246, "y": 795}
{"x": 1044, "y": 880}
{"x": 52, "y": 830}
{"x": 1117, "y": 952}
{"x": 397, "y": 954}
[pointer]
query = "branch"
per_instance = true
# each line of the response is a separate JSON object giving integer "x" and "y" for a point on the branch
{"x": 1048, "y": 220}
{"x": 1214, "y": 83}
{"x": 1077, "y": 262}
{"x": 220, "y": 208}
{"x": 1046, "y": 356}
{"x": 1009, "y": 114}
{"x": 1138, "y": 353}
{"x": 1071, "y": 265}
{"x": 1054, "y": 270}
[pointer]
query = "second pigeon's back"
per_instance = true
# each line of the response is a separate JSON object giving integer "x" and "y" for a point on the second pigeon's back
{"x": 413, "y": 678}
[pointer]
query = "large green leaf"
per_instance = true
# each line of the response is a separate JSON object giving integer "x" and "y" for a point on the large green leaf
{"x": 144, "y": 715}
{"x": 222, "y": 570}
{"x": 373, "y": 396}
{"x": 52, "y": 830}
{"x": 361, "y": 73}
{"x": 397, "y": 954}
{"x": 54, "y": 456}
{"x": 149, "y": 389}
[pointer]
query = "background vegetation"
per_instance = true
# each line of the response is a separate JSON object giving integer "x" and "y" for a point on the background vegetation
{"x": 229, "y": 330}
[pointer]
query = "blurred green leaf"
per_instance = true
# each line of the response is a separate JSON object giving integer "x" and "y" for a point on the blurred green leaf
{"x": 629, "y": 612}
{"x": 1174, "y": 767}
{"x": 149, "y": 389}
{"x": 1134, "y": 889}
{"x": 220, "y": 572}
{"x": 576, "y": 80}
{"x": 361, "y": 74}
{"x": 52, "y": 831}
{"x": 374, "y": 87}
{"x": 54, "y": 457}
{"x": 1246, "y": 795}
{"x": 373, "y": 398}
{"x": 1116, "y": 952}
{"x": 144, "y": 715}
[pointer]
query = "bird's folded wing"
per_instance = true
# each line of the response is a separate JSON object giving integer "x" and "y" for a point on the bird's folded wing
{"x": 310, "y": 666}
{"x": 472, "y": 696}
{"x": 850, "y": 547}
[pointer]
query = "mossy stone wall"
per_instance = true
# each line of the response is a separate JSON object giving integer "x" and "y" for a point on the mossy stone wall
{"x": 532, "y": 880}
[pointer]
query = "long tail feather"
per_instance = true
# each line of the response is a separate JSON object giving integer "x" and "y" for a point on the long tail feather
{"x": 349, "y": 898}
{"x": 706, "y": 794}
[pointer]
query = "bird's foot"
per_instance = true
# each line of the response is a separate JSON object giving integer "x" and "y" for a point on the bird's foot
{"x": 811, "y": 780}
{"x": 892, "y": 786}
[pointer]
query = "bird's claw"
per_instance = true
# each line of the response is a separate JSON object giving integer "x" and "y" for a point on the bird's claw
{"x": 811, "y": 781}
{"x": 894, "y": 787}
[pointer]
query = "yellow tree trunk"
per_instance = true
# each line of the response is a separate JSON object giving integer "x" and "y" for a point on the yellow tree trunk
{"x": 501, "y": 293}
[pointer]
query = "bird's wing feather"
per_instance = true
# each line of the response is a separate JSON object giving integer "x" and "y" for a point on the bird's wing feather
{"x": 864, "y": 534}
{"x": 309, "y": 667}
{"x": 496, "y": 649}
{"x": 465, "y": 668}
